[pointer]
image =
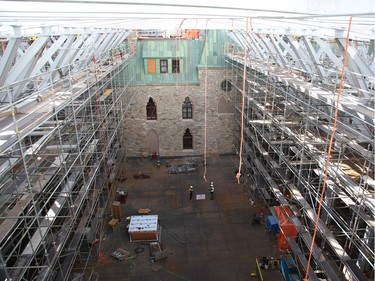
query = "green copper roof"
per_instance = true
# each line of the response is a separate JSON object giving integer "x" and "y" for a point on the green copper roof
{"x": 191, "y": 54}
{"x": 214, "y": 49}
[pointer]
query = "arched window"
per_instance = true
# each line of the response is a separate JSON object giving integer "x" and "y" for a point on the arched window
{"x": 151, "y": 110}
{"x": 225, "y": 106}
{"x": 187, "y": 140}
{"x": 187, "y": 109}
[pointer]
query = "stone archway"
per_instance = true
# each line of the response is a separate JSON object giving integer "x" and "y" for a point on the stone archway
{"x": 152, "y": 142}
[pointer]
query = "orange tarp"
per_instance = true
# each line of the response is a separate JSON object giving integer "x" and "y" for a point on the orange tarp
{"x": 191, "y": 33}
{"x": 287, "y": 228}
{"x": 151, "y": 64}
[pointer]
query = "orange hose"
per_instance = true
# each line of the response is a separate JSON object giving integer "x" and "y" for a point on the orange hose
{"x": 238, "y": 175}
{"x": 329, "y": 151}
{"x": 205, "y": 109}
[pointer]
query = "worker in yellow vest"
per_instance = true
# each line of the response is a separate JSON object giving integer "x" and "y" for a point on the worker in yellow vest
{"x": 212, "y": 190}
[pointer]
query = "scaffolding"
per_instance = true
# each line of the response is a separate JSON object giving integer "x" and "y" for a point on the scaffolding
{"x": 290, "y": 101}
{"x": 60, "y": 137}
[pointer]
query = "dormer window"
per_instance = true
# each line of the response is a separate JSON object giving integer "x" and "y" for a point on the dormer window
{"x": 163, "y": 66}
{"x": 176, "y": 66}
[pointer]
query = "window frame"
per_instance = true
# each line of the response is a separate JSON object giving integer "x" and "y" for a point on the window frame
{"x": 226, "y": 85}
{"x": 187, "y": 109}
{"x": 187, "y": 140}
{"x": 151, "y": 110}
{"x": 163, "y": 66}
{"x": 176, "y": 65}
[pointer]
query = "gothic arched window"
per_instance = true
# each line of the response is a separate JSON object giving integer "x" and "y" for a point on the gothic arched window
{"x": 187, "y": 109}
{"x": 151, "y": 110}
{"x": 187, "y": 140}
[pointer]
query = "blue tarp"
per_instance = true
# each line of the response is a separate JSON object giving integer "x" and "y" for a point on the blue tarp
{"x": 289, "y": 269}
{"x": 272, "y": 224}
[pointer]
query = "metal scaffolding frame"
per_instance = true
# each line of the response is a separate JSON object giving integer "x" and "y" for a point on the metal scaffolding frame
{"x": 64, "y": 97}
{"x": 290, "y": 101}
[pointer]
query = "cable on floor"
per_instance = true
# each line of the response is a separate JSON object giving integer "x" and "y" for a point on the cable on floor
{"x": 174, "y": 235}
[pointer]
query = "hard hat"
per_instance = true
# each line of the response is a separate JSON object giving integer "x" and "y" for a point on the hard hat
{"x": 191, "y": 186}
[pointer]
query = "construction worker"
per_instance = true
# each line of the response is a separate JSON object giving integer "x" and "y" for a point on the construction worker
{"x": 212, "y": 189}
{"x": 191, "y": 191}
{"x": 261, "y": 214}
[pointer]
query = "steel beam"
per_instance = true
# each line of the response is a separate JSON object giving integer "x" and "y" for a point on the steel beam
{"x": 360, "y": 70}
{"x": 8, "y": 58}
{"x": 24, "y": 66}
{"x": 269, "y": 49}
{"x": 256, "y": 46}
{"x": 281, "y": 54}
{"x": 301, "y": 55}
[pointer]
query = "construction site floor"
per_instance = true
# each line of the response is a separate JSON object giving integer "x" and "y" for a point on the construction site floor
{"x": 205, "y": 239}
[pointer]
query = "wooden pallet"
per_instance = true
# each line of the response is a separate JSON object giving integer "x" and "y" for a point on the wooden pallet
{"x": 157, "y": 251}
{"x": 144, "y": 211}
{"x": 121, "y": 254}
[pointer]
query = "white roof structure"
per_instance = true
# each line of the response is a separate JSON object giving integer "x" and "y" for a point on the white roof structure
{"x": 294, "y": 16}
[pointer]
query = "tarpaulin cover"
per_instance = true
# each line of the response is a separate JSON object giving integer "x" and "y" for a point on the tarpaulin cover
{"x": 287, "y": 228}
{"x": 272, "y": 224}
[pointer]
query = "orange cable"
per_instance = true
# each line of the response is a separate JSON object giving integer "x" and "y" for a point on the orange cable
{"x": 238, "y": 175}
{"x": 205, "y": 108}
{"x": 329, "y": 150}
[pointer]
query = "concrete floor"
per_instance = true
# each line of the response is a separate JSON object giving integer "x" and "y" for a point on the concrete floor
{"x": 205, "y": 239}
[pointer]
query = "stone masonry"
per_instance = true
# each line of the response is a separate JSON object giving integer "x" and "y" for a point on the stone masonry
{"x": 170, "y": 126}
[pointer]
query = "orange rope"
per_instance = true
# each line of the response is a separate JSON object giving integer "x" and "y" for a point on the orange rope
{"x": 329, "y": 150}
{"x": 238, "y": 175}
{"x": 205, "y": 109}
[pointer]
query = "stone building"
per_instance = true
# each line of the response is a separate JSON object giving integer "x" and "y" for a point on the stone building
{"x": 285, "y": 87}
{"x": 176, "y": 110}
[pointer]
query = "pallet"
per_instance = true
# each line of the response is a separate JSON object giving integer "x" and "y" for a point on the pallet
{"x": 121, "y": 254}
{"x": 157, "y": 251}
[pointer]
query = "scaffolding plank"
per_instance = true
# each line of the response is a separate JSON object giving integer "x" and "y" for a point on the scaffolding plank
{"x": 334, "y": 274}
{"x": 275, "y": 189}
{"x": 321, "y": 226}
{"x": 301, "y": 257}
{"x": 352, "y": 266}
{"x": 303, "y": 162}
{"x": 12, "y": 217}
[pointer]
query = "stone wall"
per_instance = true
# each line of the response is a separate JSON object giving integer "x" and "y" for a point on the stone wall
{"x": 170, "y": 126}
